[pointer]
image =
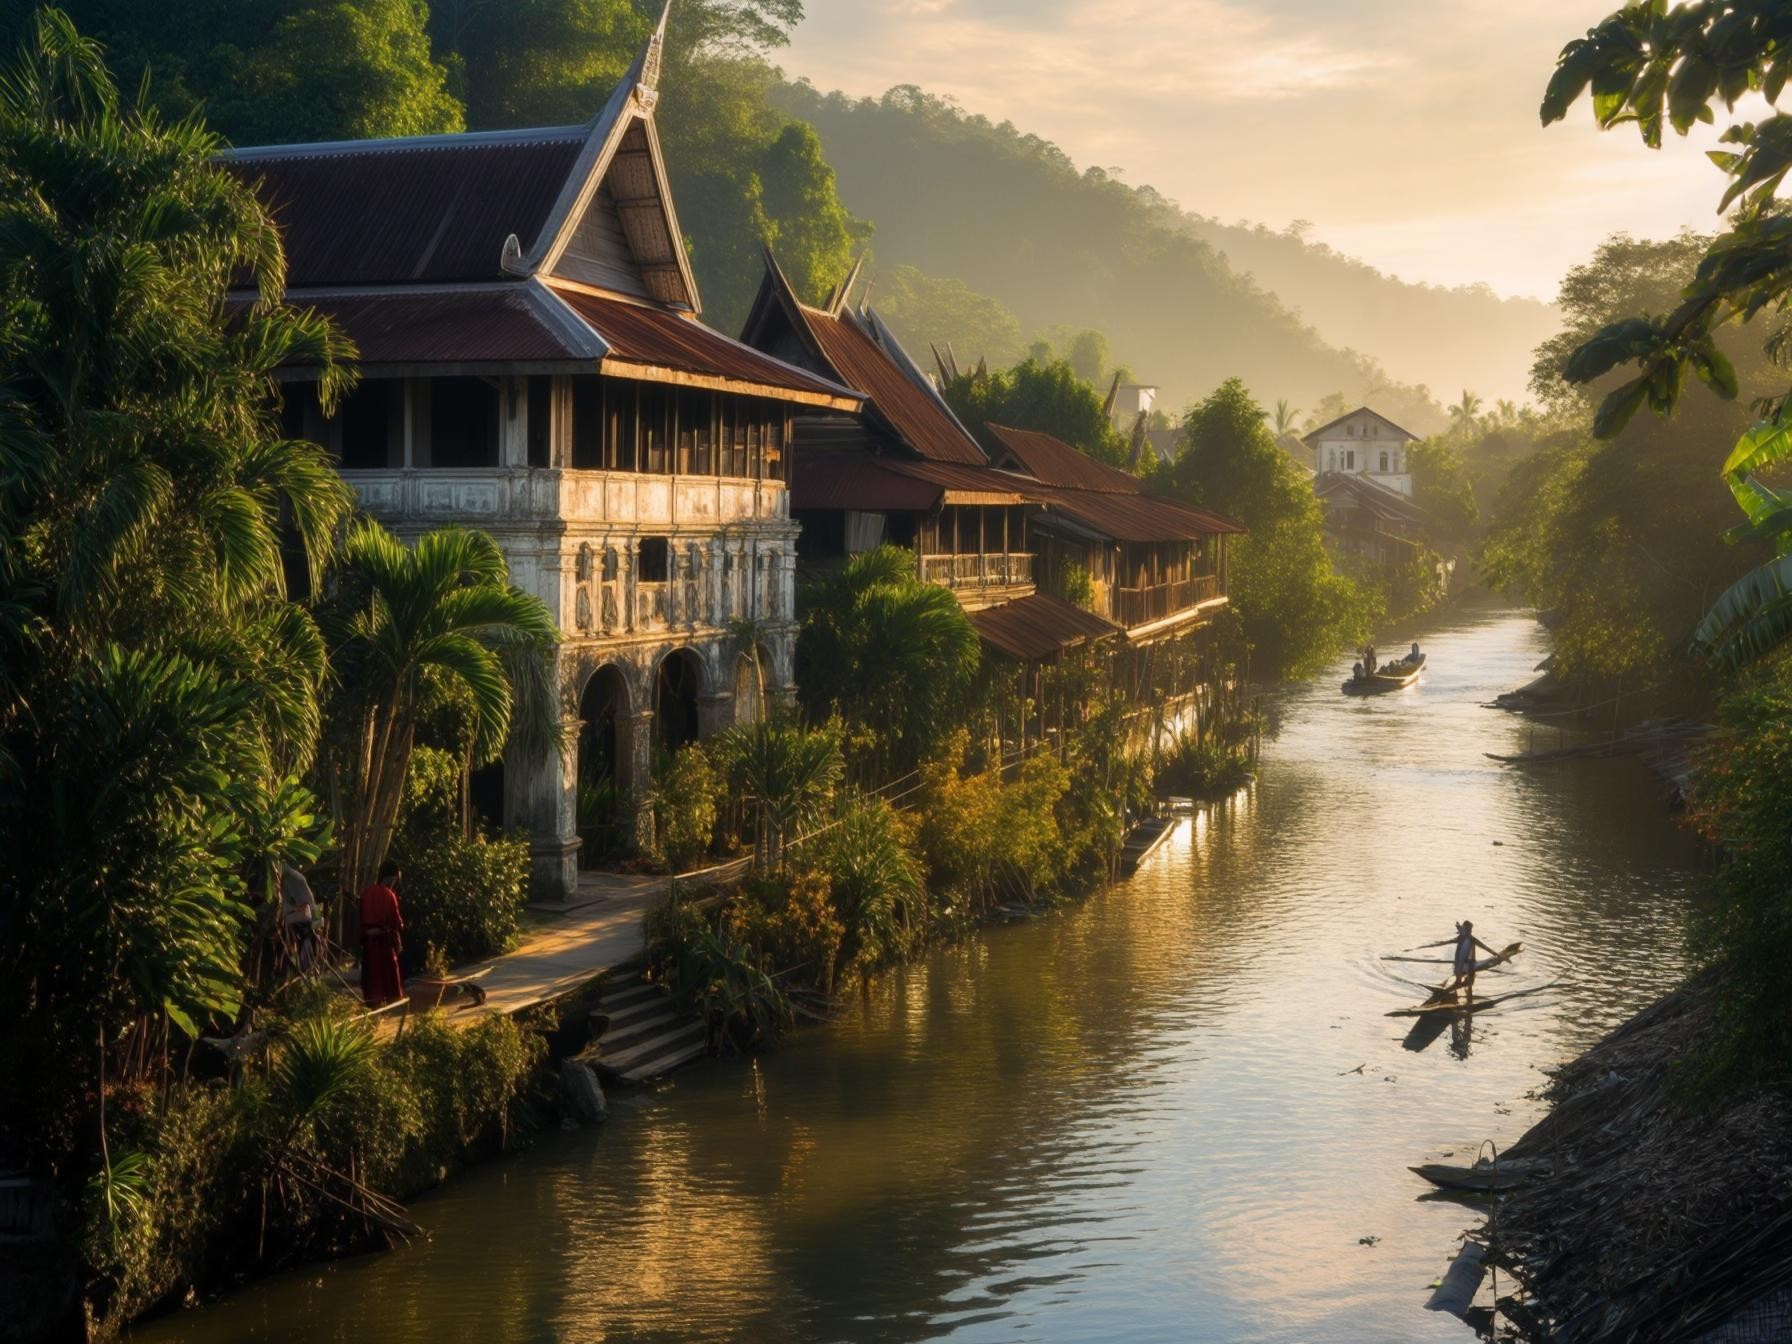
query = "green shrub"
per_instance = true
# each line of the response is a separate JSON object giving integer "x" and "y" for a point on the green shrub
{"x": 875, "y": 881}
{"x": 463, "y": 894}
{"x": 465, "y": 897}
{"x": 791, "y": 923}
{"x": 687, "y": 793}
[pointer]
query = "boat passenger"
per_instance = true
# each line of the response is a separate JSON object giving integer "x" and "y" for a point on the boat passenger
{"x": 1413, "y": 657}
{"x": 1463, "y": 965}
{"x": 1369, "y": 659}
{"x": 1356, "y": 671}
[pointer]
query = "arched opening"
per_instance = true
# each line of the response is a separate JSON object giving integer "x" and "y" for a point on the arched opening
{"x": 752, "y": 684}
{"x": 677, "y": 684}
{"x": 604, "y": 767}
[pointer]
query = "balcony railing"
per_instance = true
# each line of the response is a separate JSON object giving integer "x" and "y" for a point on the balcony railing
{"x": 1000, "y": 569}
{"x": 1159, "y": 601}
{"x": 495, "y": 496}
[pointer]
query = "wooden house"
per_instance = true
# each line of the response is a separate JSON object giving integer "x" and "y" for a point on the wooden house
{"x": 533, "y": 364}
{"x": 900, "y": 468}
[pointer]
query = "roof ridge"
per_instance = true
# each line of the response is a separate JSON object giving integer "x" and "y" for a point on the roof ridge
{"x": 406, "y": 143}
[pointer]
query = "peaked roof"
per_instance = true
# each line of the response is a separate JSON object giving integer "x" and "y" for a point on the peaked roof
{"x": 481, "y": 206}
{"x": 1313, "y": 436}
{"x": 1373, "y": 495}
{"x": 1049, "y": 459}
{"x": 427, "y": 209}
{"x": 859, "y": 351}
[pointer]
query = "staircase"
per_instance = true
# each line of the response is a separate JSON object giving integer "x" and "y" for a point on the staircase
{"x": 646, "y": 1036}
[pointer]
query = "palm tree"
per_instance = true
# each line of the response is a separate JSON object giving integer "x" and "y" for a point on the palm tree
{"x": 788, "y": 771}
{"x": 159, "y": 687}
{"x": 1466, "y": 411}
{"x": 443, "y": 610}
{"x": 1287, "y": 416}
{"x": 1505, "y": 413}
{"x": 889, "y": 654}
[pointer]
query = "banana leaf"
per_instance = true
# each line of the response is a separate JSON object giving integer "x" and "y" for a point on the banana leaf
{"x": 1751, "y": 619}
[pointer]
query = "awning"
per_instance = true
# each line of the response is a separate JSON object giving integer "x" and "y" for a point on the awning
{"x": 1031, "y": 628}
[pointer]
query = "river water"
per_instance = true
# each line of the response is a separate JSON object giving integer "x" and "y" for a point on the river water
{"x": 1141, "y": 1119}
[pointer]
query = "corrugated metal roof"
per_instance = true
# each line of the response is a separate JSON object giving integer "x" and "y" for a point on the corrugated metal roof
{"x": 434, "y": 208}
{"x": 661, "y": 339}
{"x": 1140, "y": 518}
{"x": 1373, "y": 496}
{"x": 1039, "y": 626}
{"x": 915, "y": 417}
{"x": 495, "y": 324}
{"x": 1055, "y": 462}
{"x": 858, "y": 482}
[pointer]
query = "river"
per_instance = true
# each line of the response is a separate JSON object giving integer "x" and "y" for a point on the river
{"x": 1140, "y": 1119}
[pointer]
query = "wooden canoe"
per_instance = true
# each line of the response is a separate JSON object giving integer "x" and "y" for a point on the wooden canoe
{"x": 1482, "y": 1177}
{"x": 1388, "y": 677}
{"x": 1453, "y": 1005}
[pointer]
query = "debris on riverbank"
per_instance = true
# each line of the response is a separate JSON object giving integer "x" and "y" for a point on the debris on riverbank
{"x": 1648, "y": 1217}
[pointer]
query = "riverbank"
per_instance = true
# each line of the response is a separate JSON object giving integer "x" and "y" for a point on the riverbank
{"x": 1646, "y": 1213}
{"x": 1115, "y": 1112}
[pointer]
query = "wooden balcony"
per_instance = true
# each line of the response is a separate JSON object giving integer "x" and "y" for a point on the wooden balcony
{"x": 1001, "y": 569}
{"x": 1133, "y": 607}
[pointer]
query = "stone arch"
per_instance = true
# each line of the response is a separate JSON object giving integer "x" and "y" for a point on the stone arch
{"x": 679, "y": 684}
{"x": 605, "y": 764}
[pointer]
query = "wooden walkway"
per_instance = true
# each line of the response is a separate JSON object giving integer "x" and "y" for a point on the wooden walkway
{"x": 566, "y": 946}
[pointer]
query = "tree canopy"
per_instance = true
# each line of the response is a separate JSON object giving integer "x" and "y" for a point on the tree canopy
{"x": 1297, "y": 611}
{"x": 1042, "y": 394}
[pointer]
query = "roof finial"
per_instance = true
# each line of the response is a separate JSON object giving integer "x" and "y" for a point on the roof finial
{"x": 648, "y": 86}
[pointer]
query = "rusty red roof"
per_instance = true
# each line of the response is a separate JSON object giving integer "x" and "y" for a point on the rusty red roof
{"x": 488, "y": 324}
{"x": 1039, "y": 626}
{"x": 1055, "y": 462}
{"x": 913, "y": 414}
{"x": 858, "y": 482}
{"x": 427, "y": 209}
{"x": 641, "y": 338}
{"x": 1140, "y": 518}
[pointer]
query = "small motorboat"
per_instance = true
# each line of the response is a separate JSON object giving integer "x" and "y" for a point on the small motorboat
{"x": 1387, "y": 677}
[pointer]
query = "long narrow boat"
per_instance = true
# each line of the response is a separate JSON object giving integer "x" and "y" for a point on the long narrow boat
{"x": 1388, "y": 677}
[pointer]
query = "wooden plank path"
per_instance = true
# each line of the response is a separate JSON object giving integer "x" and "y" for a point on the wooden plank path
{"x": 565, "y": 946}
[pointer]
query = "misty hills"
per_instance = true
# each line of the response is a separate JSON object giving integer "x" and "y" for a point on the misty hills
{"x": 1184, "y": 301}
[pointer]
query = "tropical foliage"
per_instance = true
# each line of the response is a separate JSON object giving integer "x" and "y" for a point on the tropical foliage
{"x": 161, "y": 689}
{"x": 1297, "y": 611}
{"x": 891, "y": 657}
{"x": 1041, "y": 393}
{"x": 786, "y": 772}
{"x": 408, "y": 622}
{"x": 1654, "y": 66}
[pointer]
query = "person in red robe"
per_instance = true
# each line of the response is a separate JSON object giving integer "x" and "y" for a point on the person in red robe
{"x": 382, "y": 938}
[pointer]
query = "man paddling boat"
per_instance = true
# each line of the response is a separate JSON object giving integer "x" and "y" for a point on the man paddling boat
{"x": 1463, "y": 966}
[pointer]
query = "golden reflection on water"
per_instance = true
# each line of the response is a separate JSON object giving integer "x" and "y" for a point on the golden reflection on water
{"x": 1138, "y": 1119}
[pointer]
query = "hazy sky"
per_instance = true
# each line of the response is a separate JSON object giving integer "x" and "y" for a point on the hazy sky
{"x": 1405, "y": 130}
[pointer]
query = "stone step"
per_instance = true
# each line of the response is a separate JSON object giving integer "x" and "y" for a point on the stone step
{"x": 624, "y": 993}
{"x": 665, "y": 1063}
{"x": 634, "y": 1033}
{"x": 649, "y": 1058}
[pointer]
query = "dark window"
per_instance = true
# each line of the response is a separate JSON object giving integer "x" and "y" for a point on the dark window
{"x": 541, "y": 421}
{"x": 296, "y": 400}
{"x": 367, "y": 425}
{"x": 653, "y": 564}
{"x": 656, "y": 428}
{"x": 588, "y": 424}
{"x": 463, "y": 422}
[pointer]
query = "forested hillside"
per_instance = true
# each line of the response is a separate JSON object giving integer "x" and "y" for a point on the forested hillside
{"x": 960, "y": 199}
{"x": 1447, "y": 338}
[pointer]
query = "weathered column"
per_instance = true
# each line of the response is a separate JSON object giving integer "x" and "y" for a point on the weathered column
{"x": 636, "y": 730}
{"x": 541, "y": 797}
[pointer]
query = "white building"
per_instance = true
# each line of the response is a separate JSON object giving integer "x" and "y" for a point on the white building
{"x": 532, "y": 364}
{"x": 1131, "y": 400}
{"x": 1363, "y": 443}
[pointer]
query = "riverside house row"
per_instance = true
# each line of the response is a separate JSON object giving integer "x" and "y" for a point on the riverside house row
{"x": 533, "y": 364}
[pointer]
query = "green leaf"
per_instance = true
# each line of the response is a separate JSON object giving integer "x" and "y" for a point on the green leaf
{"x": 1716, "y": 372}
{"x": 1761, "y": 446}
{"x": 1615, "y": 411}
{"x": 1751, "y": 619}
